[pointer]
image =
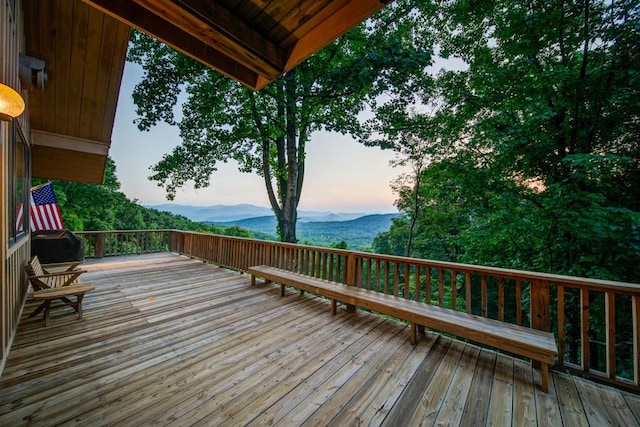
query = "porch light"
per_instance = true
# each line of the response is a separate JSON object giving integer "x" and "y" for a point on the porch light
{"x": 11, "y": 103}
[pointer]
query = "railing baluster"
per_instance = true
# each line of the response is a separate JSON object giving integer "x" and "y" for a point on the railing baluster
{"x": 427, "y": 277}
{"x": 386, "y": 277}
{"x": 483, "y": 282}
{"x": 440, "y": 287}
{"x": 467, "y": 285}
{"x": 584, "y": 328}
{"x": 519, "y": 302}
{"x": 610, "y": 319}
{"x": 561, "y": 324}
{"x": 395, "y": 278}
{"x": 454, "y": 289}
{"x": 501, "y": 299}
{"x": 407, "y": 281}
{"x": 416, "y": 282}
{"x": 635, "y": 309}
{"x": 367, "y": 266}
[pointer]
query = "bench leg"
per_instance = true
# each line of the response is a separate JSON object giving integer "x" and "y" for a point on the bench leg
{"x": 281, "y": 290}
{"x": 80, "y": 298}
{"x": 544, "y": 373}
{"x": 301, "y": 292}
{"x": 253, "y": 280}
{"x": 334, "y": 309}
{"x": 421, "y": 330}
{"x": 414, "y": 336}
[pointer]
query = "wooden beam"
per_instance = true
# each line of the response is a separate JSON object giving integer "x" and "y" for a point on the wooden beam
{"x": 70, "y": 143}
{"x": 136, "y": 16}
{"x": 330, "y": 29}
{"x": 67, "y": 165}
{"x": 216, "y": 26}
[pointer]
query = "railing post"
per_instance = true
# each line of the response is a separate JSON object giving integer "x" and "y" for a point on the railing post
{"x": 350, "y": 275}
{"x": 540, "y": 317}
{"x": 100, "y": 241}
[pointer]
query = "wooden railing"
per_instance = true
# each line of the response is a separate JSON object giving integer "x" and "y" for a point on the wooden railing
{"x": 596, "y": 322}
{"x": 99, "y": 244}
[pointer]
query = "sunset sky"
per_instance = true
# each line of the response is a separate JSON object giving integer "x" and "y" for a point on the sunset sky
{"x": 341, "y": 174}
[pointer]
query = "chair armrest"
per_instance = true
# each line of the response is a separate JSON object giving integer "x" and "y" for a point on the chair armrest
{"x": 61, "y": 273}
{"x": 55, "y": 280}
{"x": 60, "y": 266}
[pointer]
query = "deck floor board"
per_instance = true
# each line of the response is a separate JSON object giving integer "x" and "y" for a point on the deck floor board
{"x": 167, "y": 340}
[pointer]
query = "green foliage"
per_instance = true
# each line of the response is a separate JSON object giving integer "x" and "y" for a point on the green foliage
{"x": 91, "y": 207}
{"x": 534, "y": 152}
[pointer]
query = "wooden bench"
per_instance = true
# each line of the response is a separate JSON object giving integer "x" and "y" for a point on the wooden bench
{"x": 534, "y": 344}
{"x": 50, "y": 286}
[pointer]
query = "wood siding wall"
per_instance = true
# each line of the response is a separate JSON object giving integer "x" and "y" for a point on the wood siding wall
{"x": 13, "y": 287}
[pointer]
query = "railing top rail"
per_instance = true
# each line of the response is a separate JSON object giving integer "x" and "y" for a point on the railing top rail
{"x": 123, "y": 231}
{"x": 527, "y": 276}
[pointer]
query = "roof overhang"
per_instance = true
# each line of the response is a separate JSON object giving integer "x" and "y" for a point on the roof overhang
{"x": 253, "y": 42}
{"x": 72, "y": 118}
{"x": 84, "y": 43}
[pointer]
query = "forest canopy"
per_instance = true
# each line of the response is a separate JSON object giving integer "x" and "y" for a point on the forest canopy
{"x": 529, "y": 156}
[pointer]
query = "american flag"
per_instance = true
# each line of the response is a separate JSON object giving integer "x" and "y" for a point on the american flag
{"x": 45, "y": 212}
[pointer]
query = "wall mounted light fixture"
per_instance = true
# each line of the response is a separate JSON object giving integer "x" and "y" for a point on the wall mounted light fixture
{"x": 11, "y": 103}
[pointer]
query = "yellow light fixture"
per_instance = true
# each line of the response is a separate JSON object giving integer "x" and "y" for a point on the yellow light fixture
{"x": 11, "y": 103}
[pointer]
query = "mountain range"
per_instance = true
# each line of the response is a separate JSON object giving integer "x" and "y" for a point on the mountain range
{"x": 228, "y": 213}
{"x": 314, "y": 227}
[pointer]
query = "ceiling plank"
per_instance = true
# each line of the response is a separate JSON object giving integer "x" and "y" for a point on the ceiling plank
{"x": 63, "y": 63}
{"x": 115, "y": 80}
{"x": 76, "y": 81}
{"x": 32, "y": 44}
{"x": 47, "y": 49}
{"x": 217, "y": 26}
{"x": 302, "y": 18}
{"x": 89, "y": 105}
{"x": 136, "y": 16}
{"x": 331, "y": 28}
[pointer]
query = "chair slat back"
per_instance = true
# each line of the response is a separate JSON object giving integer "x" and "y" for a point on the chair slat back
{"x": 34, "y": 268}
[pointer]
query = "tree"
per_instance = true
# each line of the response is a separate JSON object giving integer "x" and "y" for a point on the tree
{"x": 544, "y": 124}
{"x": 267, "y": 132}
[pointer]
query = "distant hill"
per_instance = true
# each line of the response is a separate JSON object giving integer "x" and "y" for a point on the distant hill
{"x": 227, "y": 213}
{"x": 357, "y": 233}
{"x": 216, "y": 212}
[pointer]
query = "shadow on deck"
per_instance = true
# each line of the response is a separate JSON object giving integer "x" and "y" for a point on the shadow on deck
{"x": 169, "y": 340}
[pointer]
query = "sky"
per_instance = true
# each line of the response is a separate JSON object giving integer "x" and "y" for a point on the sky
{"x": 341, "y": 175}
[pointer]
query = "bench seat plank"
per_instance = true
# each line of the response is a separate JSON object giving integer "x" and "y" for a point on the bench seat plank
{"x": 527, "y": 342}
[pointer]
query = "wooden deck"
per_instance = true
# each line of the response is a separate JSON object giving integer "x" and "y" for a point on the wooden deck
{"x": 166, "y": 340}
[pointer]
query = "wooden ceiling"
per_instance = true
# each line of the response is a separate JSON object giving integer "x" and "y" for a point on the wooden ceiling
{"x": 84, "y": 42}
{"x": 252, "y": 41}
{"x": 72, "y": 118}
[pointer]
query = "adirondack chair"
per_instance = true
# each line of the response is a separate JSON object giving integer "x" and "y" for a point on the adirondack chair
{"x": 59, "y": 285}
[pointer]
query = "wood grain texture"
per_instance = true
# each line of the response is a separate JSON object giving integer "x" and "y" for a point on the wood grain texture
{"x": 170, "y": 340}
